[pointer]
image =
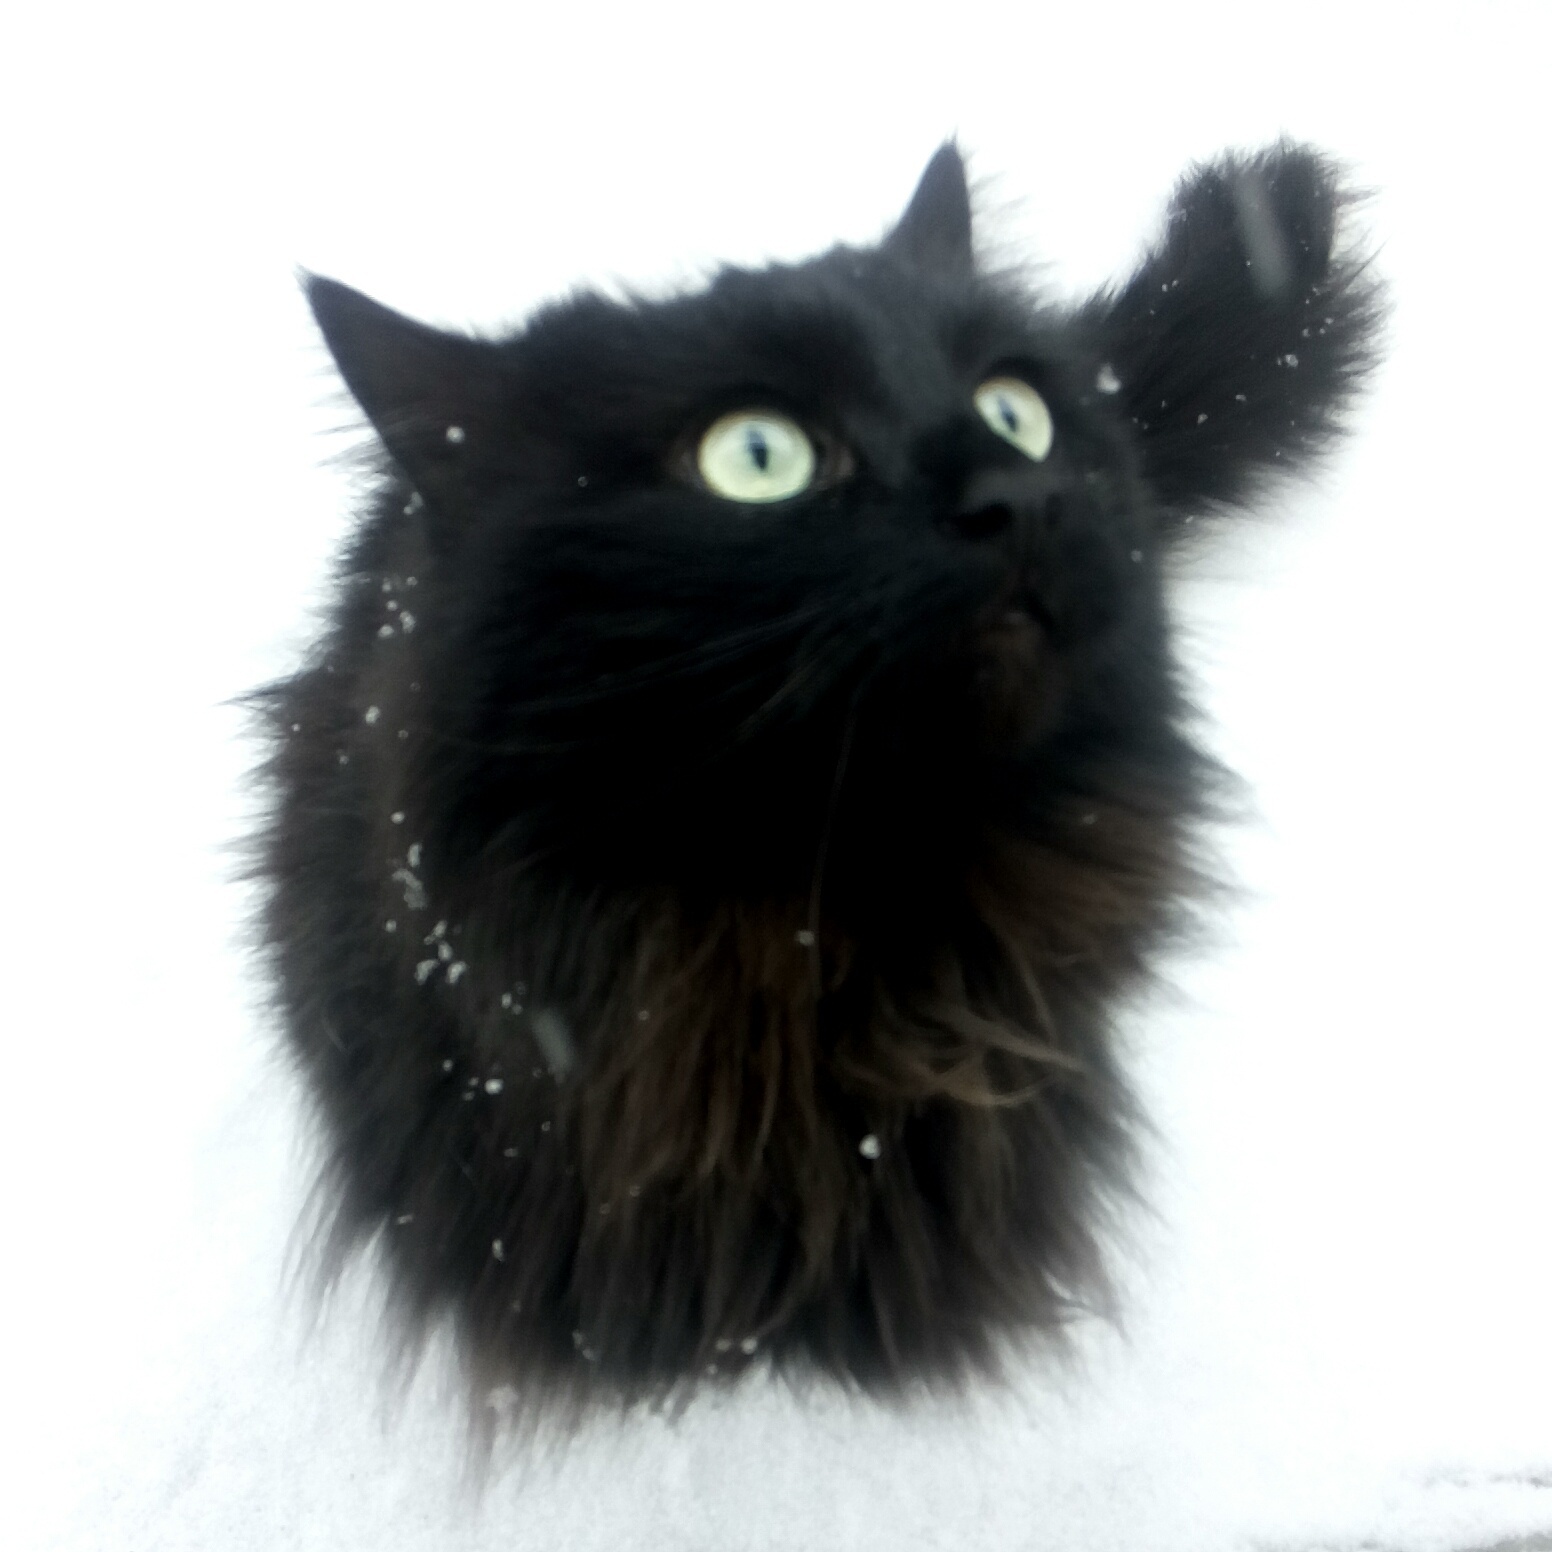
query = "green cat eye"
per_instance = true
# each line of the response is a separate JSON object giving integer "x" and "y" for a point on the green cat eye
{"x": 1017, "y": 414}
{"x": 754, "y": 456}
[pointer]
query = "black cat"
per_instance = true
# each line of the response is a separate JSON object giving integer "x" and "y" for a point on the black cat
{"x": 745, "y": 767}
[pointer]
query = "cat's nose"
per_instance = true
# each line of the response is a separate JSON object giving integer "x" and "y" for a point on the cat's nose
{"x": 982, "y": 522}
{"x": 994, "y": 506}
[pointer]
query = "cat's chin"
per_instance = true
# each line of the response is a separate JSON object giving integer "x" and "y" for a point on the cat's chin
{"x": 1018, "y": 683}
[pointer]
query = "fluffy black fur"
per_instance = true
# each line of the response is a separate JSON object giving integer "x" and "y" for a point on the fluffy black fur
{"x": 699, "y": 922}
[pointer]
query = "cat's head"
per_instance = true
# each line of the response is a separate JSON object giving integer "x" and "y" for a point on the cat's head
{"x": 876, "y": 538}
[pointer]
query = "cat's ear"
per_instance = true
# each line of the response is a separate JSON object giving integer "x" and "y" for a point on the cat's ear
{"x": 934, "y": 232}
{"x": 439, "y": 401}
{"x": 1243, "y": 334}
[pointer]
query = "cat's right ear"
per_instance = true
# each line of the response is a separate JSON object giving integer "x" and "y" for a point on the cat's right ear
{"x": 934, "y": 232}
{"x": 439, "y": 401}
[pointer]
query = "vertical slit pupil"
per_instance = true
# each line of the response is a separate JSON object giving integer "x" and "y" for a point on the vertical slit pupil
{"x": 1008, "y": 413}
{"x": 759, "y": 448}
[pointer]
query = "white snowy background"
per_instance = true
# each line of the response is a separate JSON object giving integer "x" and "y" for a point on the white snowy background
{"x": 1337, "y": 1326}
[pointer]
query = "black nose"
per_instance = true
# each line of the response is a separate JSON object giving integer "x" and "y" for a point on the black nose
{"x": 982, "y": 522}
{"x": 1002, "y": 504}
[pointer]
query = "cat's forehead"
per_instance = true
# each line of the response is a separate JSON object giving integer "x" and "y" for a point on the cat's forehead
{"x": 852, "y": 326}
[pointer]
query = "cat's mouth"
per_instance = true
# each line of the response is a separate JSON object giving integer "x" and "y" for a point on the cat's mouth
{"x": 1018, "y": 683}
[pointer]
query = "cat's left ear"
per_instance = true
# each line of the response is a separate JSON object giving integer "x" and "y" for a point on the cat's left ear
{"x": 934, "y": 232}
{"x": 440, "y": 402}
{"x": 1244, "y": 333}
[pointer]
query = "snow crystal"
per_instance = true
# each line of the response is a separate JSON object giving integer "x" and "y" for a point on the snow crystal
{"x": 498, "y": 1250}
{"x": 748, "y": 1345}
{"x": 544, "y": 1126}
{"x": 412, "y": 582}
{"x": 387, "y": 585}
{"x": 1239, "y": 398}
{"x": 385, "y": 630}
{"x": 444, "y": 951}
{"x": 447, "y": 1066}
{"x": 643, "y": 1014}
{"x": 396, "y": 817}
{"x": 554, "y": 1041}
{"x": 405, "y": 1218}
{"x": 506, "y": 999}
{"x": 1289, "y": 360}
{"x": 1088, "y": 818}
{"x": 407, "y": 622}
{"x": 869, "y": 1147}
{"x": 582, "y": 480}
{"x": 455, "y": 434}
{"x": 509, "y": 1153}
{"x": 455, "y": 972}
{"x": 1107, "y": 381}
{"x": 416, "y": 502}
{"x": 413, "y": 855}
{"x": 414, "y": 890}
{"x": 372, "y": 714}
{"x": 1137, "y": 555}
{"x": 404, "y": 732}
{"x": 344, "y": 758}
{"x": 502, "y": 1398}
{"x": 804, "y": 937}
{"x": 390, "y": 926}
{"x": 1201, "y": 419}
{"x": 1261, "y": 234}
{"x": 423, "y": 970}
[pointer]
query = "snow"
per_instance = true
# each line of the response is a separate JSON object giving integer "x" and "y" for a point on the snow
{"x": 1334, "y": 1326}
{"x": 414, "y": 890}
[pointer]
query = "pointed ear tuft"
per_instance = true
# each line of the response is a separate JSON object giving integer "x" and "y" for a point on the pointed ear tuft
{"x": 934, "y": 232}
{"x": 437, "y": 400}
